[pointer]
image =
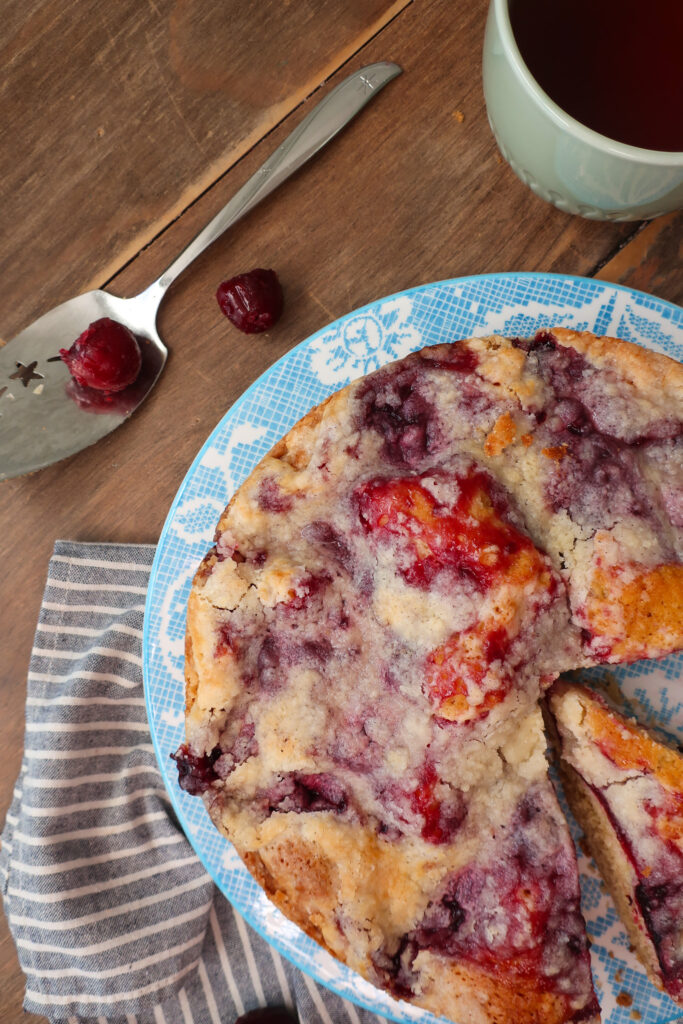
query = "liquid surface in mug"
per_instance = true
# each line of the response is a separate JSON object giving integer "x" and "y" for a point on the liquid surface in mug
{"x": 614, "y": 65}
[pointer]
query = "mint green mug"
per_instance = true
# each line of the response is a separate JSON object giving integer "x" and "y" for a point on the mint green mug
{"x": 559, "y": 158}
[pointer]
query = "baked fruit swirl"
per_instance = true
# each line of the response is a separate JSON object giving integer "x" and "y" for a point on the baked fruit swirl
{"x": 390, "y": 593}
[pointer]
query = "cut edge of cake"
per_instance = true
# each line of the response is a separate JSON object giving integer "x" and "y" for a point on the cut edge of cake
{"x": 609, "y": 853}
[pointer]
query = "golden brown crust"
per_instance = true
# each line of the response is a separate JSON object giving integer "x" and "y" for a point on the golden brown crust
{"x": 311, "y": 877}
{"x": 639, "y": 611}
{"x": 465, "y": 992}
{"x": 501, "y": 436}
{"x": 293, "y": 447}
{"x": 191, "y": 674}
{"x": 293, "y": 450}
{"x": 651, "y": 372}
{"x": 459, "y": 991}
{"x": 632, "y": 748}
{"x": 613, "y": 865}
{"x": 191, "y": 678}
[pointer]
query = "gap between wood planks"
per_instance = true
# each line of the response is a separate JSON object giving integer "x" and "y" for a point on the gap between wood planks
{"x": 402, "y": 6}
{"x": 648, "y": 259}
{"x": 640, "y": 226}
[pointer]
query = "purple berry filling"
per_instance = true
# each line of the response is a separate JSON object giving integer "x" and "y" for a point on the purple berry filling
{"x": 279, "y": 652}
{"x": 238, "y": 743}
{"x": 309, "y": 587}
{"x": 599, "y": 481}
{"x": 227, "y": 640}
{"x": 456, "y": 357}
{"x": 195, "y": 771}
{"x": 304, "y": 793}
{"x": 394, "y": 407}
{"x": 588, "y": 1012}
{"x": 660, "y": 904}
{"x": 329, "y": 539}
{"x": 353, "y": 749}
{"x": 269, "y": 664}
{"x": 395, "y": 970}
{"x": 271, "y": 497}
{"x": 600, "y": 478}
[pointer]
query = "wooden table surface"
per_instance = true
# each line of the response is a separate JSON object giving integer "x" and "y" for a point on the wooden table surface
{"x": 128, "y": 125}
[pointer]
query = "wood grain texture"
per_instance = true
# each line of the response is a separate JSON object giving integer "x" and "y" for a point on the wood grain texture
{"x": 652, "y": 260}
{"x": 412, "y": 191}
{"x": 12, "y": 985}
{"x": 121, "y": 114}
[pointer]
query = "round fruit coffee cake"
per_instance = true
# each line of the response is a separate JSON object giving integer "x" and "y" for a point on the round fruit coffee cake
{"x": 390, "y": 593}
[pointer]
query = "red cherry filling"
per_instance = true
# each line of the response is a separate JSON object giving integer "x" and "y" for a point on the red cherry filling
{"x": 468, "y": 538}
{"x": 253, "y": 301}
{"x": 456, "y": 673}
{"x": 441, "y": 817}
{"x": 105, "y": 357}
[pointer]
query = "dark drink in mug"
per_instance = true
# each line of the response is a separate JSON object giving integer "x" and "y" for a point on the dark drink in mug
{"x": 614, "y": 65}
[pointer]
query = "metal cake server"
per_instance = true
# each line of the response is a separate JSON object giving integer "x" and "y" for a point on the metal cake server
{"x": 44, "y": 415}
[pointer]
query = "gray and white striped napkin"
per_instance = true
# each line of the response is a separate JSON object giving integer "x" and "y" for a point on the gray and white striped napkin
{"x": 113, "y": 915}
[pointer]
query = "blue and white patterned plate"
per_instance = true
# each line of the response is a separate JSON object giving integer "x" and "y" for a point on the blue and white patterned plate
{"x": 509, "y": 304}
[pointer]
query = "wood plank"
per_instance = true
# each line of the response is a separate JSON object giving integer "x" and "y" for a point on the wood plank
{"x": 652, "y": 261}
{"x": 407, "y": 194}
{"x": 414, "y": 190}
{"x": 121, "y": 115}
{"x": 12, "y": 984}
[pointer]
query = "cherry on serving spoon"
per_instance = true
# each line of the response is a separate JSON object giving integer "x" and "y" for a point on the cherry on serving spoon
{"x": 43, "y": 423}
{"x": 106, "y": 356}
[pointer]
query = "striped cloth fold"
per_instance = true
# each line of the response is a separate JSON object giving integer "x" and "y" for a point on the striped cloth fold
{"x": 112, "y": 913}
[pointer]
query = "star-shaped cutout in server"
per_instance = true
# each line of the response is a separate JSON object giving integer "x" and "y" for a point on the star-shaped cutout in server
{"x": 26, "y": 373}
